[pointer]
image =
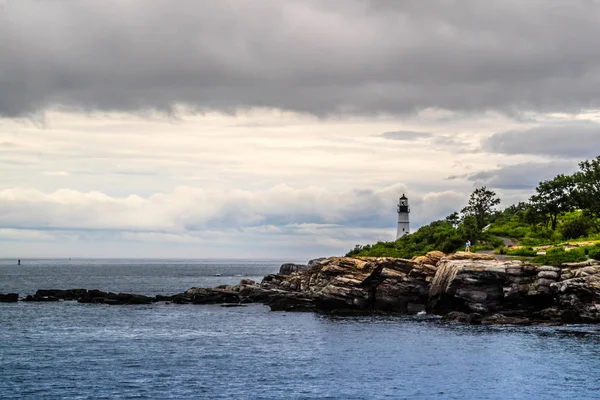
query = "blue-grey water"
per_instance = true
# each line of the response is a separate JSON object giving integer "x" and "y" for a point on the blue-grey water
{"x": 67, "y": 350}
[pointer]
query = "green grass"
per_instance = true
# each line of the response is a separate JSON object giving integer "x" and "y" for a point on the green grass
{"x": 522, "y": 251}
{"x": 558, "y": 256}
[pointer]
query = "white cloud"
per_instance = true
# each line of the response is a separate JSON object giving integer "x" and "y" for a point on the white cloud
{"x": 202, "y": 218}
{"x": 260, "y": 183}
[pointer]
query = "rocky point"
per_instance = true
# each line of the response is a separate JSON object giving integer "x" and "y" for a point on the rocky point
{"x": 464, "y": 287}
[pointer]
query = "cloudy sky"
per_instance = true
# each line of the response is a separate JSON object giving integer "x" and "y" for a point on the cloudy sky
{"x": 279, "y": 129}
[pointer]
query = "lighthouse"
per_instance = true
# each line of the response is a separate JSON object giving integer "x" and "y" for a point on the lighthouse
{"x": 403, "y": 223}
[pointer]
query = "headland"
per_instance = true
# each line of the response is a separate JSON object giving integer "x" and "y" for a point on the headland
{"x": 464, "y": 287}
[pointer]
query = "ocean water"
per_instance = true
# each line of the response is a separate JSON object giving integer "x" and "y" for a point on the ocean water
{"x": 67, "y": 350}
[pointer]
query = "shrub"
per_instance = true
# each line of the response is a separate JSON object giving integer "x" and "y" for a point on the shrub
{"x": 501, "y": 250}
{"x": 594, "y": 252}
{"x": 495, "y": 242}
{"x": 558, "y": 256}
{"x": 522, "y": 251}
{"x": 576, "y": 228}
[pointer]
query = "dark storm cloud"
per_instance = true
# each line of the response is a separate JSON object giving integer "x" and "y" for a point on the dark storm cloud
{"x": 520, "y": 176}
{"x": 321, "y": 57}
{"x": 406, "y": 135}
{"x": 577, "y": 139}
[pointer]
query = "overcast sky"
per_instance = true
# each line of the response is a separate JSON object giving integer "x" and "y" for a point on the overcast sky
{"x": 279, "y": 129}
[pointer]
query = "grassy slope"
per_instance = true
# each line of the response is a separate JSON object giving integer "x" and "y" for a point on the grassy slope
{"x": 442, "y": 236}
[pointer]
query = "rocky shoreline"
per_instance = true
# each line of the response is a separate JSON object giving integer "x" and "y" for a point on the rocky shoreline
{"x": 463, "y": 287}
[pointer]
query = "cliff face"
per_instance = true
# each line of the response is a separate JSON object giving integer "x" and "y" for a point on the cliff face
{"x": 342, "y": 284}
{"x": 463, "y": 286}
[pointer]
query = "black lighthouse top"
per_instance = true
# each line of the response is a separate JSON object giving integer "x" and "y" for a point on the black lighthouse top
{"x": 403, "y": 206}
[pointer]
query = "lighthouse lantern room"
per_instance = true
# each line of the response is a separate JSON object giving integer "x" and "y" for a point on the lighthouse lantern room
{"x": 403, "y": 222}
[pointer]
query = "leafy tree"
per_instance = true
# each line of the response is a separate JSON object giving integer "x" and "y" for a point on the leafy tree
{"x": 554, "y": 197}
{"x": 469, "y": 229}
{"x": 453, "y": 219}
{"x": 587, "y": 189}
{"x": 520, "y": 211}
{"x": 481, "y": 206}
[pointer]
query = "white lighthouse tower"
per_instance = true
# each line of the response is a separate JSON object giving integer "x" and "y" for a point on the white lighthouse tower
{"x": 403, "y": 223}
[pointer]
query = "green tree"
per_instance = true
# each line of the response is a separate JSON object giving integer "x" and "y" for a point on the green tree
{"x": 468, "y": 229}
{"x": 481, "y": 206}
{"x": 587, "y": 189}
{"x": 453, "y": 219}
{"x": 554, "y": 197}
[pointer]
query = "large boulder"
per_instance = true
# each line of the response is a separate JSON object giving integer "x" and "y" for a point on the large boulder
{"x": 289, "y": 268}
{"x": 578, "y": 298}
{"x": 431, "y": 258}
{"x": 463, "y": 255}
{"x": 490, "y": 286}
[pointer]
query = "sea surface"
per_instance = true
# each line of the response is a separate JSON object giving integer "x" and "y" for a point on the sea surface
{"x": 67, "y": 350}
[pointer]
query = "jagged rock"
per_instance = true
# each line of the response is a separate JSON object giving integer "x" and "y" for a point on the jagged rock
{"x": 316, "y": 261}
{"x": 501, "y": 319}
{"x": 344, "y": 284}
{"x": 463, "y": 255}
{"x": 485, "y": 286}
{"x": 291, "y": 302}
{"x": 432, "y": 258}
{"x": 587, "y": 263}
{"x": 548, "y": 275}
{"x": 458, "y": 316}
{"x": 9, "y": 297}
{"x": 579, "y": 298}
{"x": 587, "y": 270}
{"x": 289, "y": 268}
{"x": 212, "y": 296}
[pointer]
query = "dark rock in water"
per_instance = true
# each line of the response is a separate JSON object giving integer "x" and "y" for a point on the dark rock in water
{"x": 159, "y": 297}
{"x": 291, "y": 302}
{"x": 458, "y": 316}
{"x": 129, "y": 298}
{"x": 98, "y": 296}
{"x": 69, "y": 294}
{"x": 36, "y": 298}
{"x": 181, "y": 299}
{"x": 501, "y": 319}
{"x": 94, "y": 296}
{"x": 289, "y": 268}
{"x": 233, "y": 305}
{"x": 212, "y": 296}
{"x": 9, "y": 297}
